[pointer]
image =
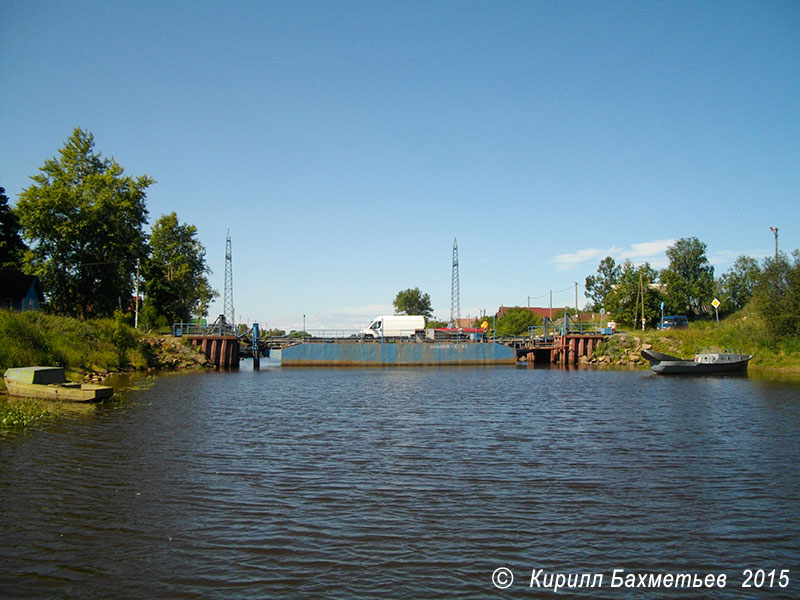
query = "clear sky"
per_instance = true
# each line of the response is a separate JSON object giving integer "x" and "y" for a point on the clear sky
{"x": 346, "y": 144}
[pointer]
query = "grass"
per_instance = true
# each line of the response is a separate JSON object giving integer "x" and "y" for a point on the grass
{"x": 36, "y": 338}
{"x": 742, "y": 332}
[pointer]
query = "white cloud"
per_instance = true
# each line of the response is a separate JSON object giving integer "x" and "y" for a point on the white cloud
{"x": 652, "y": 252}
{"x": 723, "y": 259}
{"x": 564, "y": 262}
{"x": 646, "y": 250}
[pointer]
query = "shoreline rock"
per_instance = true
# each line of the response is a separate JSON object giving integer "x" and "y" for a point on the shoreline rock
{"x": 621, "y": 350}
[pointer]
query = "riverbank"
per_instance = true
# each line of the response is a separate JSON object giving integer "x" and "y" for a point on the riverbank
{"x": 743, "y": 333}
{"x": 91, "y": 349}
{"x": 88, "y": 350}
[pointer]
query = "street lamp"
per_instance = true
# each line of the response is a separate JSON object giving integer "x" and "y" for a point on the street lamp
{"x": 775, "y": 231}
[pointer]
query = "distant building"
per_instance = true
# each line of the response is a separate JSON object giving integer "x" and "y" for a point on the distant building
{"x": 586, "y": 317}
{"x": 465, "y": 323}
{"x": 542, "y": 312}
{"x": 19, "y": 291}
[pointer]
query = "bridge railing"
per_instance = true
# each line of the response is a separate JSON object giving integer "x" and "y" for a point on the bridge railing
{"x": 579, "y": 328}
{"x": 181, "y": 329}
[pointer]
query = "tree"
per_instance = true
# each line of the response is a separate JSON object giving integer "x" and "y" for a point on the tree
{"x": 12, "y": 247}
{"x": 516, "y": 321}
{"x": 689, "y": 278}
{"x": 175, "y": 273}
{"x": 777, "y": 296}
{"x": 624, "y": 301}
{"x": 85, "y": 220}
{"x": 599, "y": 286}
{"x": 735, "y": 288}
{"x": 413, "y": 302}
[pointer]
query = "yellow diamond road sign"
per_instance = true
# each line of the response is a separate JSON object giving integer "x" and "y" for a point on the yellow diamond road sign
{"x": 715, "y": 303}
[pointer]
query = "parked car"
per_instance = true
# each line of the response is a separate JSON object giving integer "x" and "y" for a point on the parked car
{"x": 674, "y": 322}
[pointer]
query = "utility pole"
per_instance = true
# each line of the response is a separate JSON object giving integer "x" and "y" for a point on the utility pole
{"x": 641, "y": 287}
{"x": 136, "y": 299}
{"x": 551, "y": 305}
{"x": 775, "y": 231}
{"x": 576, "y": 298}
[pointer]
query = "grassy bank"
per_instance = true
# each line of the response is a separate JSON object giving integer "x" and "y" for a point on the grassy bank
{"x": 742, "y": 332}
{"x": 92, "y": 346}
{"x": 35, "y": 338}
{"x": 81, "y": 347}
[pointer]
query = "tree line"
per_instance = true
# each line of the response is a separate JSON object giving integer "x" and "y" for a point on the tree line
{"x": 84, "y": 223}
{"x": 688, "y": 287}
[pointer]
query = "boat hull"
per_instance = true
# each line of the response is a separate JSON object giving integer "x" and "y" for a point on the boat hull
{"x": 87, "y": 392}
{"x": 694, "y": 367}
{"x": 334, "y": 354}
{"x": 49, "y": 383}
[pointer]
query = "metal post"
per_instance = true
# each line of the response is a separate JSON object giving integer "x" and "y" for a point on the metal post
{"x": 304, "y": 328}
{"x": 256, "y": 351}
{"x": 775, "y": 231}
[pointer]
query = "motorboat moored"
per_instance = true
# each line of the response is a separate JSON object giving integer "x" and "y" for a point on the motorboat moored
{"x": 704, "y": 363}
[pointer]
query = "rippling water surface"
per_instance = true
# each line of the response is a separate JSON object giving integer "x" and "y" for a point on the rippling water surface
{"x": 404, "y": 483}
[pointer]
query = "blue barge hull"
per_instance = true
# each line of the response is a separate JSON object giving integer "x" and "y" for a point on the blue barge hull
{"x": 380, "y": 354}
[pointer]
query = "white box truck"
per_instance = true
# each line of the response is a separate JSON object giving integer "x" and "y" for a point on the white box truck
{"x": 394, "y": 326}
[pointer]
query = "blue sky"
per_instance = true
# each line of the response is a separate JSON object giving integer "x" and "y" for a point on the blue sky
{"x": 346, "y": 144}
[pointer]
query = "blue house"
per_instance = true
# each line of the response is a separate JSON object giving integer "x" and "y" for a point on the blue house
{"x": 19, "y": 291}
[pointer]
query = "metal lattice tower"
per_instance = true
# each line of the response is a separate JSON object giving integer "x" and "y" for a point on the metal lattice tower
{"x": 227, "y": 309}
{"x": 455, "y": 290}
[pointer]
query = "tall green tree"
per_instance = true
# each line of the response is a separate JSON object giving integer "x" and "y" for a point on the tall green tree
{"x": 736, "y": 286}
{"x": 777, "y": 296}
{"x": 12, "y": 248}
{"x": 413, "y": 302}
{"x": 175, "y": 273}
{"x": 689, "y": 278}
{"x": 516, "y": 321}
{"x": 600, "y": 285}
{"x": 85, "y": 220}
{"x": 624, "y": 301}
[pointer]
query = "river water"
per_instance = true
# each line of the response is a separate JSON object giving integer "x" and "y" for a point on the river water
{"x": 406, "y": 483}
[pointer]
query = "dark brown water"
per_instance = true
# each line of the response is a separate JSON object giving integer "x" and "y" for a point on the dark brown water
{"x": 404, "y": 483}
